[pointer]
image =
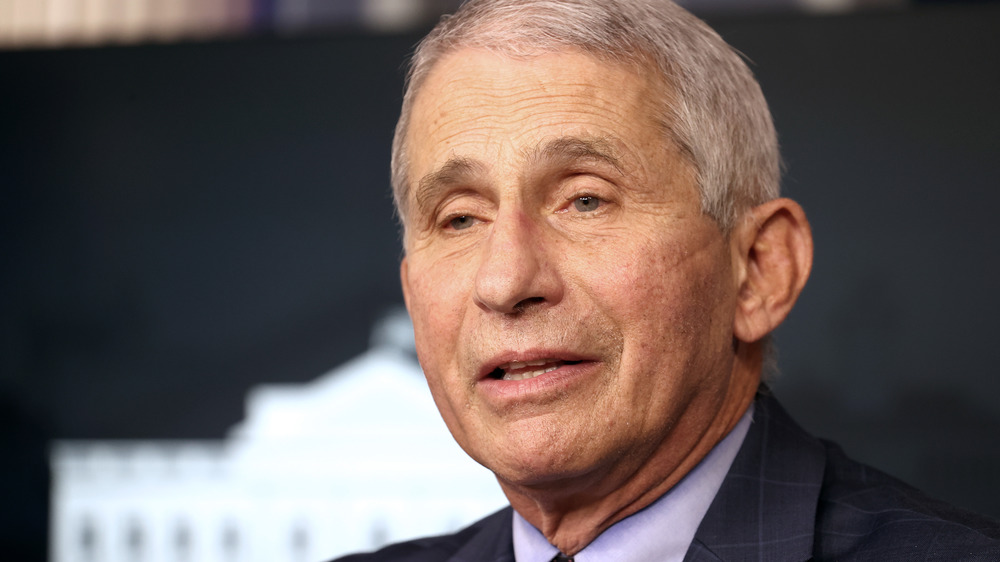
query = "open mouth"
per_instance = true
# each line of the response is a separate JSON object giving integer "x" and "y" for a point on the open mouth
{"x": 519, "y": 371}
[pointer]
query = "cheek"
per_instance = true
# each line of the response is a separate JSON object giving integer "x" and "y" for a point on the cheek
{"x": 672, "y": 305}
{"x": 641, "y": 283}
{"x": 435, "y": 296}
{"x": 437, "y": 308}
{"x": 436, "y": 353}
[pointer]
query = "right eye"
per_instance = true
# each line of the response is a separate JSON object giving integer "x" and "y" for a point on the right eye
{"x": 461, "y": 222}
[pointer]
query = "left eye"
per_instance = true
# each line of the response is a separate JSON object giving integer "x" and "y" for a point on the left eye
{"x": 586, "y": 203}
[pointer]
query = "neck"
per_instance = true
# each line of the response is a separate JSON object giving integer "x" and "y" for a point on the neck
{"x": 574, "y": 512}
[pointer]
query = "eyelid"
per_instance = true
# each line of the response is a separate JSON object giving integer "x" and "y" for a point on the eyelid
{"x": 447, "y": 220}
{"x": 447, "y": 209}
{"x": 459, "y": 205}
{"x": 586, "y": 184}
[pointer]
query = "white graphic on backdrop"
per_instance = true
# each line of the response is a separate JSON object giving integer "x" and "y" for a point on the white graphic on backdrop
{"x": 351, "y": 461}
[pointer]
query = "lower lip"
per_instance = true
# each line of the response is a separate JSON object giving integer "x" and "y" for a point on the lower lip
{"x": 544, "y": 387}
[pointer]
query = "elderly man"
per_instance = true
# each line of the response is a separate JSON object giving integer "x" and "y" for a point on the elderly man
{"x": 595, "y": 254}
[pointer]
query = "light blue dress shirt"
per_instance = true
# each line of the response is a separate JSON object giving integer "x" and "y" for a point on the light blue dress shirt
{"x": 663, "y": 531}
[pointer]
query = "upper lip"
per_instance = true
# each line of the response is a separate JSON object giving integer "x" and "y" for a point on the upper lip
{"x": 508, "y": 357}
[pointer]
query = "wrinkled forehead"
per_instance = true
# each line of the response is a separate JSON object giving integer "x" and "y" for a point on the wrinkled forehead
{"x": 474, "y": 94}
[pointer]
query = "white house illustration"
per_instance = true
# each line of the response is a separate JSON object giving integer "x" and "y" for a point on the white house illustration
{"x": 351, "y": 461}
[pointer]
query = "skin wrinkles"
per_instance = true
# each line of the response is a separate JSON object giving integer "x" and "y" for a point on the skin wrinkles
{"x": 528, "y": 103}
{"x": 643, "y": 290}
{"x": 557, "y": 162}
{"x": 576, "y": 166}
{"x": 458, "y": 172}
{"x": 536, "y": 97}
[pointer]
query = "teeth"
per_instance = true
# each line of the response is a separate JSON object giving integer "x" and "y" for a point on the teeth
{"x": 527, "y": 374}
{"x": 514, "y": 365}
{"x": 521, "y": 370}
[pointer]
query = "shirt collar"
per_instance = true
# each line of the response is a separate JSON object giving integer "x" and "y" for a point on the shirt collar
{"x": 664, "y": 529}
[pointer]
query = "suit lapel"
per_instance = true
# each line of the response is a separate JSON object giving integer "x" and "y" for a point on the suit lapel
{"x": 493, "y": 542}
{"x": 766, "y": 507}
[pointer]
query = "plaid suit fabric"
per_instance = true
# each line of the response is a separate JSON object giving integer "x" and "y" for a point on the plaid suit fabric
{"x": 787, "y": 497}
{"x": 764, "y": 509}
{"x": 790, "y": 496}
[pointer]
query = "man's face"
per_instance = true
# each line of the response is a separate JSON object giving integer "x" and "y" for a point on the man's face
{"x": 572, "y": 306}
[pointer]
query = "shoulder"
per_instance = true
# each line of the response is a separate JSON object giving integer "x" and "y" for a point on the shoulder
{"x": 865, "y": 514}
{"x": 438, "y": 548}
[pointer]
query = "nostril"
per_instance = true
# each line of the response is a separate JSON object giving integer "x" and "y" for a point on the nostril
{"x": 527, "y": 303}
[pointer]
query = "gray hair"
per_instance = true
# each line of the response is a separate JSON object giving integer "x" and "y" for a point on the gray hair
{"x": 713, "y": 108}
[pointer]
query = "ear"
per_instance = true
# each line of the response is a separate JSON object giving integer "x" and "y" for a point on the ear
{"x": 774, "y": 245}
{"x": 404, "y": 282}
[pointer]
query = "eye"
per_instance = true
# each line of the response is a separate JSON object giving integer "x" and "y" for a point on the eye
{"x": 587, "y": 203}
{"x": 461, "y": 222}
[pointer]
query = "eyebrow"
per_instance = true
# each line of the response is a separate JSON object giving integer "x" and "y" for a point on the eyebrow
{"x": 462, "y": 170}
{"x": 455, "y": 171}
{"x": 569, "y": 149}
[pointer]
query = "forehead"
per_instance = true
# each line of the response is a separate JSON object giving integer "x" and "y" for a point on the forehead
{"x": 479, "y": 104}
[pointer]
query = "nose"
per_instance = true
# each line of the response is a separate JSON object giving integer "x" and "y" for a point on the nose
{"x": 515, "y": 272}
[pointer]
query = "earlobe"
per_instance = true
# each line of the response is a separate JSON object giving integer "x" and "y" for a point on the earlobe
{"x": 776, "y": 250}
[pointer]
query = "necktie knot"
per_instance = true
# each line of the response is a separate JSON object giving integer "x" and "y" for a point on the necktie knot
{"x": 562, "y": 558}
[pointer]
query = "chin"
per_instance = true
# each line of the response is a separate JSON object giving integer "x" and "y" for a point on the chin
{"x": 535, "y": 466}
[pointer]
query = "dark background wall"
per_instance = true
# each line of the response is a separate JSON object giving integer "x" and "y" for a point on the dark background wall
{"x": 179, "y": 223}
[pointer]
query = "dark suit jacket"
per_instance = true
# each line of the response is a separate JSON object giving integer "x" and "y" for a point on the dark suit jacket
{"x": 788, "y": 496}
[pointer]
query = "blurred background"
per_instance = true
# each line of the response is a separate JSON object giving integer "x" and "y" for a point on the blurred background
{"x": 194, "y": 202}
